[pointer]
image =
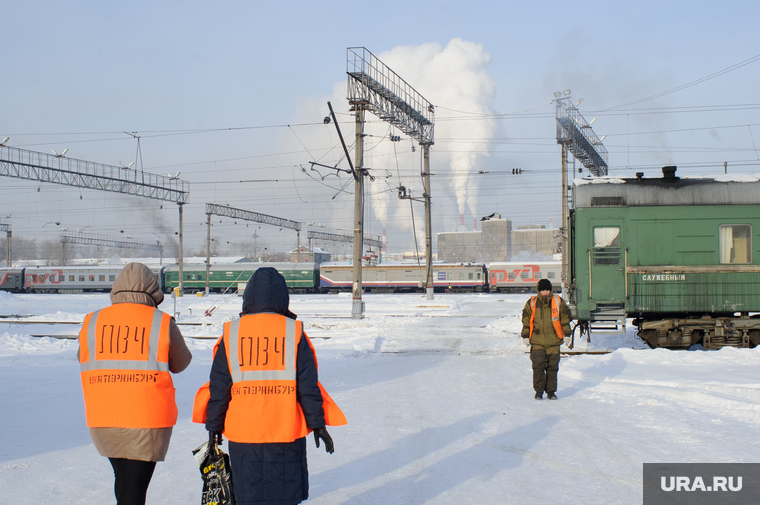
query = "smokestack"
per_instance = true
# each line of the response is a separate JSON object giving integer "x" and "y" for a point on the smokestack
{"x": 475, "y": 224}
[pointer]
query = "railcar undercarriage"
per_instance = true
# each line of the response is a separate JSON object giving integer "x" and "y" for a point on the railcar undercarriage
{"x": 710, "y": 331}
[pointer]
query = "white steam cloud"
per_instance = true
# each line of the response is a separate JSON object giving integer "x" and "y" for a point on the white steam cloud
{"x": 454, "y": 79}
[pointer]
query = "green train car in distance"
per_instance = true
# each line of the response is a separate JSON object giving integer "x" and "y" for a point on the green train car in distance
{"x": 300, "y": 277}
{"x": 680, "y": 255}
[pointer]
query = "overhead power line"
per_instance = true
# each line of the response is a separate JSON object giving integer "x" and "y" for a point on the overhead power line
{"x": 692, "y": 83}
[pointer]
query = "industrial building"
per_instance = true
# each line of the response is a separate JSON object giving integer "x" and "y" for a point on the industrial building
{"x": 497, "y": 241}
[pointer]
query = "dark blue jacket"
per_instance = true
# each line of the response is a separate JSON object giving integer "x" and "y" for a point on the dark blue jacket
{"x": 267, "y": 474}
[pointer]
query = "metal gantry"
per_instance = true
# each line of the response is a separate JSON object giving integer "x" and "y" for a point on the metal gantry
{"x": 374, "y": 87}
{"x": 575, "y": 132}
{"x": 575, "y": 135}
{"x": 105, "y": 240}
{"x": 42, "y": 167}
{"x": 246, "y": 215}
{"x": 58, "y": 169}
{"x": 388, "y": 96}
{"x": 337, "y": 237}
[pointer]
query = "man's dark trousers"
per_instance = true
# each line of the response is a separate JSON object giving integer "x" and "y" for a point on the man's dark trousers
{"x": 545, "y": 368}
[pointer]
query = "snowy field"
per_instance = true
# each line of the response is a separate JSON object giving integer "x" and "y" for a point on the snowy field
{"x": 437, "y": 394}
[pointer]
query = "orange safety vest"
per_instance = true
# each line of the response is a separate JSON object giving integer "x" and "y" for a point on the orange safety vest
{"x": 264, "y": 407}
{"x": 555, "y": 316}
{"x": 124, "y": 363}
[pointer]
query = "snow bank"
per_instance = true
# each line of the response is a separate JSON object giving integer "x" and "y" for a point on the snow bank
{"x": 6, "y": 296}
{"x": 18, "y": 344}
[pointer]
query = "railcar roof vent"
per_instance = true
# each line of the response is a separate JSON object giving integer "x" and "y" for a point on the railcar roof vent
{"x": 607, "y": 201}
{"x": 669, "y": 173}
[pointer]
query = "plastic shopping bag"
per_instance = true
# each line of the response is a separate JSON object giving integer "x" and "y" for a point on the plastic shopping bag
{"x": 216, "y": 475}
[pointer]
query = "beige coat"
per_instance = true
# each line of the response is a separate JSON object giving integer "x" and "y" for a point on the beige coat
{"x": 137, "y": 284}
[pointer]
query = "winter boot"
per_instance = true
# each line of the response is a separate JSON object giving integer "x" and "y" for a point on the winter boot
{"x": 539, "y": 395}
{"x": 551, "y": 396}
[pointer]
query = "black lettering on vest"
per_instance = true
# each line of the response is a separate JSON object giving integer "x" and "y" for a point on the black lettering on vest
{"x": 142, "y": 340}
{"x": 126, "y": 338}
{"x": 281, "y": 351}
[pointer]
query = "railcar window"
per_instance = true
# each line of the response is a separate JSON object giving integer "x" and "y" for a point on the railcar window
{"x": 607, "y": 245}
{"x": 81, "y": 278}
{"x": 112, "y": 277}
{"x": 72, "y": 277}
{"x": 92, "y": 278}
{"x": 735, "y": 243}
{"x": 469, "y": 276}
{"x": 511, "y": 276}
{"x": 537, "y": 275}
{"x": 102, "y": 278}
{"x": 607, "y": 237}
{"x": 550, "y": 275}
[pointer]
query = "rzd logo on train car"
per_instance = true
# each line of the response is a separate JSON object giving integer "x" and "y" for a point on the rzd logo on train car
{"x": 529, "y": 271}
{"x": 39, "y": 279}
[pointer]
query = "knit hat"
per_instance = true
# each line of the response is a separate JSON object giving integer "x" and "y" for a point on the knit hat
{"x": 544, "y": 285}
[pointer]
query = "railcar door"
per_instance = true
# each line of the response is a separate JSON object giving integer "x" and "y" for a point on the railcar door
{"x": 606, "y": 262}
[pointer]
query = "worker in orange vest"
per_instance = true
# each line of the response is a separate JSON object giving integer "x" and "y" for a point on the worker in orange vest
{"x": 265, "y": 397}
{"x": 126, "y": 352}
{"x": 546, "y": 325}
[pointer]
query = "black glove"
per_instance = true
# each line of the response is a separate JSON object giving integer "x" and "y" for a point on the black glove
{"x": 214, "y": 439}
{"x": 322, "y": 433}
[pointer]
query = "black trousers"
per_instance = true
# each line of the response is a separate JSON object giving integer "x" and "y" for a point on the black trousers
{"x": 132, "y": 480}
{"x": 545, "y": 368}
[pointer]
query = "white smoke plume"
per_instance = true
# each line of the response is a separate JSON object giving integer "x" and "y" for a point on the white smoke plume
{"x": 455, "y": 80}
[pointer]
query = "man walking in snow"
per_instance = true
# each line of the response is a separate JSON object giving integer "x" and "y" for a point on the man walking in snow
{"x": 546, "y": 323}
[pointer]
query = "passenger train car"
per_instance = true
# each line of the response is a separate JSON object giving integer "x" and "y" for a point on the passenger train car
{"x": 506, "y": 277}
{"x": 681, "y": 256}
{"x": 300, "y": 277}
{"x": 386, "y": 278}
{"x": 61, "y": 279}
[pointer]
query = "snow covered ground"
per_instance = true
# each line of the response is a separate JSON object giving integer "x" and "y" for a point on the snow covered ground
{"x": 438, "y": 398}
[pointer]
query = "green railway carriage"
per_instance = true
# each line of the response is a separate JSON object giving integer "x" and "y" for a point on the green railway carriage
{"x": 681, "y": 256}
{"x": 299, "y": 277}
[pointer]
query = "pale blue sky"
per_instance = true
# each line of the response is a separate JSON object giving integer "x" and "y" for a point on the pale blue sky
{"x": 83, "y": 72}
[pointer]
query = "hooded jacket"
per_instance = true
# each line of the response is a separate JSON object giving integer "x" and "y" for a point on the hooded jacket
{"x": 268, "y": 473}
{"x": 137, "y": 284}
{"x": 544, "y": 334}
